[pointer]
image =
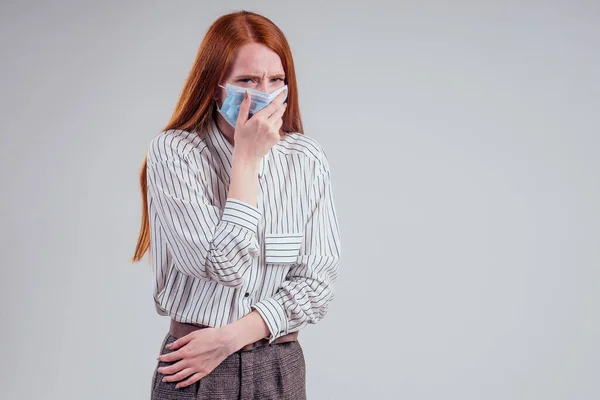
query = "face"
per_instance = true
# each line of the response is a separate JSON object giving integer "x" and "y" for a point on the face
{"x": 257, "y": 67}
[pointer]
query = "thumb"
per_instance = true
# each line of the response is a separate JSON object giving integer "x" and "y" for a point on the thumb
{"x": 244, "y": 110}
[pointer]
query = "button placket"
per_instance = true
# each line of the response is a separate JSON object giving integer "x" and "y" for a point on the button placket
{"x": 262, "y": 223}
{"x": 246, "y": 298}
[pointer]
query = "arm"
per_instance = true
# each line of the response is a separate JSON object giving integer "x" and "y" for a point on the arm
{"x": 305, "y": 295}
{"x": 205, "y": 243}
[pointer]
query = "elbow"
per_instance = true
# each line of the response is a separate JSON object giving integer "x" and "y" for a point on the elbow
{"x": 320, "y": 307}
{"x": 227, "y": 265}
{"x": 322, "y": 311}
{"x": 228, "y": 273}
{"x": 231, "y": 265}
{"x": 236, "y": 283}
{"x": 212, "y": 272}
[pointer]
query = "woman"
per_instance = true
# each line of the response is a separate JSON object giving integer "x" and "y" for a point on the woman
{"x": 239, "y": 218}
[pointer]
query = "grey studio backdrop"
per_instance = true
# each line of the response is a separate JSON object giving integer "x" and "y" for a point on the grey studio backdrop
{"x": 464, "y": 144}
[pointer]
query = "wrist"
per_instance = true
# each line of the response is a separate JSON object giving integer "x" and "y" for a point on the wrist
{"x": 245, "y": 158}
{"x": 244, "y": 166}
{"x": 231, "y": 338}
{"x": 248, "y": 329}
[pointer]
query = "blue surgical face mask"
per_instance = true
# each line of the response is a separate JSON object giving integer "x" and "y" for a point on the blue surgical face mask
{"x": 235, "y": 96}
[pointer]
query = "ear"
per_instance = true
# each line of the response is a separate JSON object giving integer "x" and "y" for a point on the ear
{"x": 217, "y": 92}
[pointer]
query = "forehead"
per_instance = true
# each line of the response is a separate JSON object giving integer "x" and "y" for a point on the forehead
{"x": 256, "y": 58}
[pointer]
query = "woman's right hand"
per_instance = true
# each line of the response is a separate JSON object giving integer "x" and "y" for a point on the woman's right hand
{"x": 254, "y": 137}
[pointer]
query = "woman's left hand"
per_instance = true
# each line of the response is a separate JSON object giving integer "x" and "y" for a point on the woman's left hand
{"x": 195, "y": 355}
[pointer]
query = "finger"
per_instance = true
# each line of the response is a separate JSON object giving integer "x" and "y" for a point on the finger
{"x": 190, "y": 381}
{"x": 171, "y": 357}
{"x": 181, "y": 375}
{"x": 270, "y": 109}
{"x": 278, "y": 124}
{"x": 180, "y": 342}
{"x": 278, "y": 113}
{"x": 173, "y": 368}
{"x": 244, "y": 110}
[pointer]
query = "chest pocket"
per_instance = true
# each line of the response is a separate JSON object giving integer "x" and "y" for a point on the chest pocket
{"x": 282, "y": 248}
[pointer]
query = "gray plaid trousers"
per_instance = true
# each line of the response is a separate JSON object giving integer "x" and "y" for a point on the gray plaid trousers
{"x": 269, "y": 372}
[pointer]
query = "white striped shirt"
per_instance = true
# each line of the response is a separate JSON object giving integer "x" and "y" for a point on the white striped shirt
{"x": 215, "y": 259}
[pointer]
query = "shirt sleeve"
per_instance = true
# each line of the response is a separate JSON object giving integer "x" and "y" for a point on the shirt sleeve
{"x": 305, "y": 295}
{"x": 205, "y": 242}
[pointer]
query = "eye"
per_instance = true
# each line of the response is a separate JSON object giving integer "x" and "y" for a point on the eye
{"x": 245, "y": 80}
{"x": 277, "y": 79}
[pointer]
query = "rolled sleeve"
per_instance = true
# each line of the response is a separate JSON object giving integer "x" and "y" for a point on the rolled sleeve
{"x": 275, "y": 317}
{"x": 241, "y": 213}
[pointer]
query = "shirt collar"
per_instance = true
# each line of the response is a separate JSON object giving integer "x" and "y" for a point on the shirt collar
{"x": 224, "y": 150}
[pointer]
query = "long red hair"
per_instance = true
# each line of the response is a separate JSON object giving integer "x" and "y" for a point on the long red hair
{"x": 196, "y": 104}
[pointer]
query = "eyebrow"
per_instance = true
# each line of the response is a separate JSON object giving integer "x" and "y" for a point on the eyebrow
{"x": 254, "y": 76}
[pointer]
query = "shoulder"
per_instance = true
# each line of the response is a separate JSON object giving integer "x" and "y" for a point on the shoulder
{"x": 307, "y": 148}
{"x": 174, "y": 144}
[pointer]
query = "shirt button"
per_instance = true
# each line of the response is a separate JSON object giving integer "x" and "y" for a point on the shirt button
{"x": 247, "y": 294}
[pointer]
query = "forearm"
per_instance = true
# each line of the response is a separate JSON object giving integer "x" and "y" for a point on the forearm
{"x": 247, "y": 329}
{"x": 244, "y": 178}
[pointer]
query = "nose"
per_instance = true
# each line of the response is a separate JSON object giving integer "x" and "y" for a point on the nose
{"x": 263, "y": 86}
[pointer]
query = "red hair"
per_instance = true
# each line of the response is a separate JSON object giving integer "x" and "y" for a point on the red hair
{"x": 196, "y": 104}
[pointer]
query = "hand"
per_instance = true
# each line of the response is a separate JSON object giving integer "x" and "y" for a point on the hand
{"x": 255, "y": 136}
{"x": 195, "y": 355}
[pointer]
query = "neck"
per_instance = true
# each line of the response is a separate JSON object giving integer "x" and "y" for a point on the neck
{"x": 226, "y": 129}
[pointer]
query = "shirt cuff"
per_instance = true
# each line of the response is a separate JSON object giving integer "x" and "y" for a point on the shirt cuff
{"x": 241, "y": 213}
{"x": 275, "y": 317}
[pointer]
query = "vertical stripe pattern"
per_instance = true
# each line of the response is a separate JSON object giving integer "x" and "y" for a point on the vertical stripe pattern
{"x": 215, "y": 259}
